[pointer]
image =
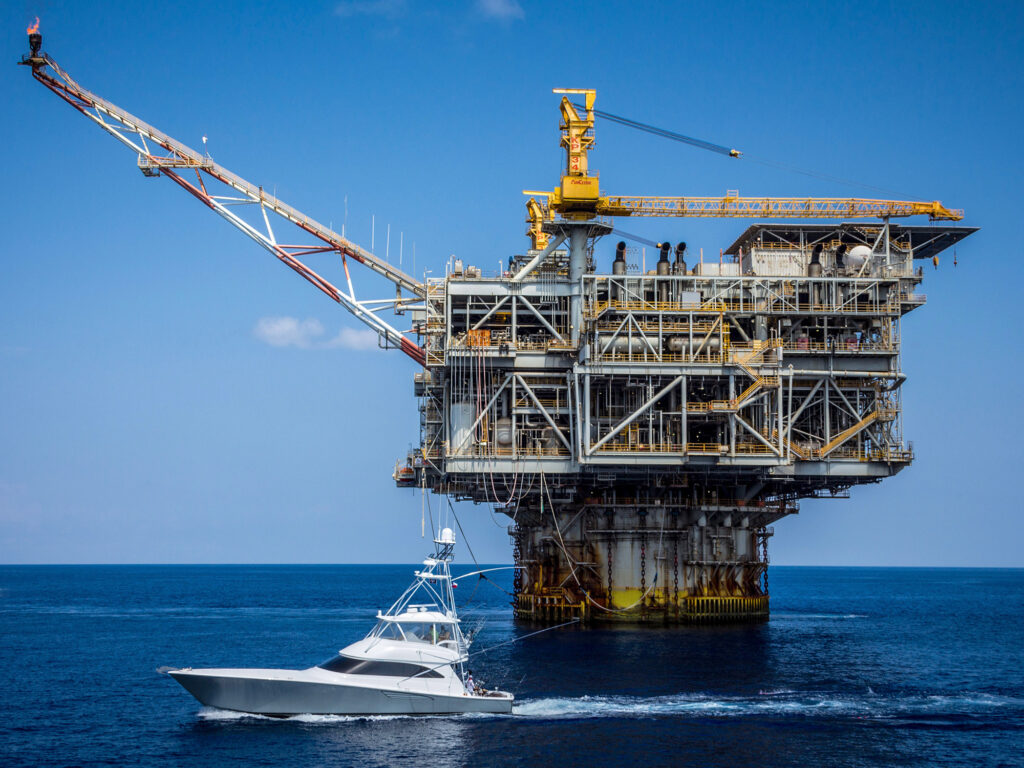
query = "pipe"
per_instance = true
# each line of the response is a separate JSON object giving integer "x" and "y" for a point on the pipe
{"x": 536, "y": 260}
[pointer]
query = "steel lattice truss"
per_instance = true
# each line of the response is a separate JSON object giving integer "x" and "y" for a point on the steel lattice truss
{"x": 244, "y": 205}
{"x": 733, "y": 206}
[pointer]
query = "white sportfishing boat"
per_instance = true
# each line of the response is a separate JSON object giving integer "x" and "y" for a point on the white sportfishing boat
{"x": 413, "y": 662}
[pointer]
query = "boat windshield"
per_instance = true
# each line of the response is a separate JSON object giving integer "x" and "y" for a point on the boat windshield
{"x": 414, "y": 631}
{"x": 389, "y": 630}
{"x": 425, "y": 632}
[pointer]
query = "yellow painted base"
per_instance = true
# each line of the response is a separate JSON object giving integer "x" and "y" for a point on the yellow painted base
{"x": 556, "y": 606}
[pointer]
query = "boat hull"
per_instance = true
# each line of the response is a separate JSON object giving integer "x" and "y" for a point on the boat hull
{"x": 283, "y": 697}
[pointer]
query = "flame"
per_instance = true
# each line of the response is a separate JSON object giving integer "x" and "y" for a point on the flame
{"x": 33, "y": 28}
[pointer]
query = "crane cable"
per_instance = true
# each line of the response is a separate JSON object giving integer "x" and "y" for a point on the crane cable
{"x": 665, "y": 133}
{"x": 728, "y": 152}
{"x": 635, "y": 238}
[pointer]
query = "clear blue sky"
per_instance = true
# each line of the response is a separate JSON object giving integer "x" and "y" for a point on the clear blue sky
{"x": 145, "y": 418}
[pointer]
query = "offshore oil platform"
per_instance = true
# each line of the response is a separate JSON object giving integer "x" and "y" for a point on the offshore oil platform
{"x": 641, "y": 428}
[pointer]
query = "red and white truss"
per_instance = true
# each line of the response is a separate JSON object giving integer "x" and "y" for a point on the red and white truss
{"x": 231, "y": 195}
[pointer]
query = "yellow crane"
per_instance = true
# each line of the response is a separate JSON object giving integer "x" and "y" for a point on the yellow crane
{"x": 578, "y": 197}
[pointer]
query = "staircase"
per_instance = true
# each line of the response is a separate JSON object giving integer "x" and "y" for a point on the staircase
{"x": 760, "y": 382}
{"x": 879, "y": 414}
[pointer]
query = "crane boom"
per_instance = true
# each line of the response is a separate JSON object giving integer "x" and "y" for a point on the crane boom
{"x": 139, "y": 136}
{"x": 578, "y": 195}
{"x": 733, "y": 206}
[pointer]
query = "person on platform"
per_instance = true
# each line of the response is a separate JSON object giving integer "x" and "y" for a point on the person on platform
{"x": 470, "y": 685}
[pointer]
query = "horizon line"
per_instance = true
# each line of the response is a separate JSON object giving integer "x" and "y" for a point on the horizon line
{"x": 395, "y": 563}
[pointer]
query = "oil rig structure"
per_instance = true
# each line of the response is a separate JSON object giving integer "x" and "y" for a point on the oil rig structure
{"x": 641, "y": 429}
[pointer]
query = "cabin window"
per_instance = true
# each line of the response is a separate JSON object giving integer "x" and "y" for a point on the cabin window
{"x": 379, "y": 668}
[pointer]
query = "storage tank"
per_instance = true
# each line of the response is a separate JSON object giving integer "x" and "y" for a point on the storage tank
{"x": 683, "y": 344}
{"x": 549, "y": 441}
{"x": 621, "y": 345}
{"x": 503, "y": 432}
{"x": 460, "y": 419}
{"x": 857, "y": 257}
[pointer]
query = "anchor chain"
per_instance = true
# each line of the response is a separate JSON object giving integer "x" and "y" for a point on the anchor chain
{"x": 611, "y": 544}
{"x": 764, "y": 560}
{"x": 643, "y": 559}
{"x": 517, "y": 557}
{"x": 675, "y": 571}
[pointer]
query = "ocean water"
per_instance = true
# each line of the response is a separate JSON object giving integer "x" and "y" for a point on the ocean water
{"x": 857, "y": 667}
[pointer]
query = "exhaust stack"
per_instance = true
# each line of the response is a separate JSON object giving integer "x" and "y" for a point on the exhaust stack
{"x": 663, "y": 268}
{"x": 680, "y": 266}
{"x": 619, "y": 265}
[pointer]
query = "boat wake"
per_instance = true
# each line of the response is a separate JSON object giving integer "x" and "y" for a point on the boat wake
{"x": 777, "y": 703}
{"x": 824, "y": 616}
{"x": 213, "y": 714}
{"x": 933, "y": 710}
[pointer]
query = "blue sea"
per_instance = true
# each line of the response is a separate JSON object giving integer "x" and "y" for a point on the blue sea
{"x": 857, "y": 667}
